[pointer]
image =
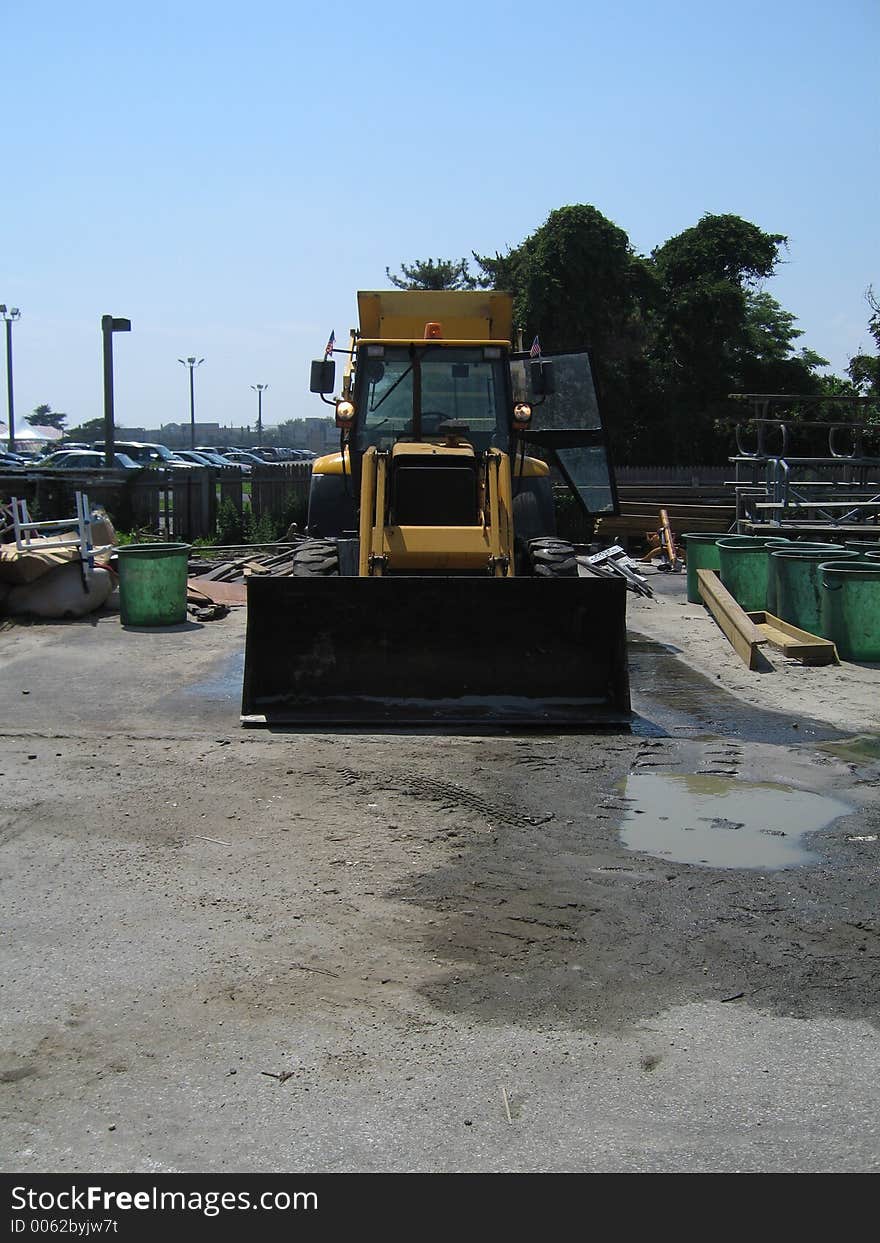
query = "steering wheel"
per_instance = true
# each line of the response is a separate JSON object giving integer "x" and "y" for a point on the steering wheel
{"x": 439, "y": 418}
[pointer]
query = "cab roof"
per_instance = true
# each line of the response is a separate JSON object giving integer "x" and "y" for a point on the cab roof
{"x": 465, "y": 315}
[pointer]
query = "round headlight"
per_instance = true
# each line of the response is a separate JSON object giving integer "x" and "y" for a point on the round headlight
{"x": 344, "y": 413}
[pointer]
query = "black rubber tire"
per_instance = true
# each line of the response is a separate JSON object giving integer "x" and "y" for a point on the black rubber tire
{"x": 552, "y": 558}
{"x": 316, "y": 558}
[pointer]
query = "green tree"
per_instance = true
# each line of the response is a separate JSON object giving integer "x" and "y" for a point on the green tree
{"x": 91, "y": 429}
{"x": 573, "y": 279}
{"x": 45, "y": 416}
{"x": 768, "y": 361}
{"x": 671, "y": 334}
{"x": 578, "y": 283}
{"x": 864, "y": 369}
{"x": 433, "y": 274}
{"x": 707, "y": 320}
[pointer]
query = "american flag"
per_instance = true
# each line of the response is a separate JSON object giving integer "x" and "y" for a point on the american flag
{"x": 332, "y": 342}
{"x": 535, "y": 351}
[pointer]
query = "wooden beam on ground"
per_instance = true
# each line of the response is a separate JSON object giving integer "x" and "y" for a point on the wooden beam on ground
{"x": 795, "y": 643}
{"x": 744, "y": 636}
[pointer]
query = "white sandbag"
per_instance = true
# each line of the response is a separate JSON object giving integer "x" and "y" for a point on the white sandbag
{"x": 60, "y": 593}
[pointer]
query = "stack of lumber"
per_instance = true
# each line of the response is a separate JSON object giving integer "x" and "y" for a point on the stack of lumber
{"x": 223, "y": 580}
{"x": 689, "y": 509}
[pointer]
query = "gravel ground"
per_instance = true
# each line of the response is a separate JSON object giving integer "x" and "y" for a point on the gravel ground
{"x": 241, "y": 950}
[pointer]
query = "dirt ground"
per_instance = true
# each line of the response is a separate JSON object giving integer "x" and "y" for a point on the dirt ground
{"x": 242, "y": 950}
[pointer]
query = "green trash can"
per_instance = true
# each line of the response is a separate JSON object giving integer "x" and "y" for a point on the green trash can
{"x": 851, "y": 607}
{"x": 152, "y": 584}
{"x": 745, "y": 570}
{"x": 701, "y": 553}
{"x": 861, "y": 547}
{"x": 794, "y": 591}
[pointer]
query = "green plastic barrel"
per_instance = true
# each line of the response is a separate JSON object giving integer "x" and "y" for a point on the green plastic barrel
{"x": 861, "y": 547}
{"x": 794, "y": 590}
{"x": 152, "y": 584}
{"x": 774, "y": 542}
{"x": 851, "y": 607}
{"x": 745, "y": 570}
{"x": 701, "y": 553}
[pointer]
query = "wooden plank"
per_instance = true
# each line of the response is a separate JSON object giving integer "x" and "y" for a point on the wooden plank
{"x": 220, "y": 593}
{"x": 795, "y": 643}
{"x": 742, "y": 633}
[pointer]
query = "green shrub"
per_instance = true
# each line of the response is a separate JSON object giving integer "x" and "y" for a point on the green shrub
{"x": 230, "y": 523}
{"x": 572, "y": 523}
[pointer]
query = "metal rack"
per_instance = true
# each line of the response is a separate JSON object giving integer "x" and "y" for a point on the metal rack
{"x": 778, "y": 486}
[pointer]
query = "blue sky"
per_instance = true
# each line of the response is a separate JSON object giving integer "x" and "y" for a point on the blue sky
{"x": 227, "y": 176}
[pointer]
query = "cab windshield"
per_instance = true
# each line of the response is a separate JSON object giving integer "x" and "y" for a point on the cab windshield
{"x": 409, "y": 391}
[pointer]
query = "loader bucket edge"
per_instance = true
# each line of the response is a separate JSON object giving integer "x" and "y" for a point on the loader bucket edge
{"x": 434, "y": 650}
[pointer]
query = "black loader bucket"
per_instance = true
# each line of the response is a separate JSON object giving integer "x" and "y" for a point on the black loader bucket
{"x": 427, "y": 651}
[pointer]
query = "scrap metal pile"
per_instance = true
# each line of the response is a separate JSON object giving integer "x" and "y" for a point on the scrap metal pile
{"x": 221, "y": 578}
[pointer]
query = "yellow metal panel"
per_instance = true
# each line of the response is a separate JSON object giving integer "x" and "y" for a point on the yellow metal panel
{"x": 438, "y": 341}
{"x": 532, "y": 468}
{"x": 377, "y": 538}
{"x": 331, "y": 464}
{"x": 368, "y": 494}
{"x": 397, "y": 314}
{"x": 437, "y": 548}
{"x": 427, "y": 448}
{"x": 494, "y": 510}
{"x": 505, "y": 505}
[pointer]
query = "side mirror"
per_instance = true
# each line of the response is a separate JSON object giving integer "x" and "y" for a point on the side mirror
{"x": 541, "y": 375}
{"x": 323, "y": 376}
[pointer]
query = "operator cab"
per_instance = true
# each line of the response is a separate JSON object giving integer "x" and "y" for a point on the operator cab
{"x": 431, "y": 391}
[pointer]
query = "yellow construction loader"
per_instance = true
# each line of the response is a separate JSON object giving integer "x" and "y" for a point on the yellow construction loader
{"x": 432, "y": 587}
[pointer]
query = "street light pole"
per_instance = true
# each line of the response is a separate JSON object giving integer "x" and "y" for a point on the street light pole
{"x": 192, "y": 363}
{"x": 10, "y": 316}
{"x": 259, "y": 389}
{"x": 109, "y": 325}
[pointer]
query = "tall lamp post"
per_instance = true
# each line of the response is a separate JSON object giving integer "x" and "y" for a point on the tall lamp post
{"x": 10, "y": 315}
{"x": 109, "y": 325}
{"x": 259, "y": 389}
{"x": 192, "y": 363}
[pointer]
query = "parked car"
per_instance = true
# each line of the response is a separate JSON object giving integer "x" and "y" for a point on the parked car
{"x": 12, "y": 461}
{"x": 52, "y": 459}
{"x": 217, "y": 459}
{"x": 287, "y": 454}
{"x": 148, "y": 454}
{"x": 243, "y": 457}
{"x": 63, "y": 447}
{"x": 218, "y": 456}
{"x": 85, "y": 459}
{"x": 194, "y": 457}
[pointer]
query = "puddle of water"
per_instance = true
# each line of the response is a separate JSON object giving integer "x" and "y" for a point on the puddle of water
{"x": 675, "y": 700}
{"x": 226, "y": 684}
{"x": 723, "y": 823}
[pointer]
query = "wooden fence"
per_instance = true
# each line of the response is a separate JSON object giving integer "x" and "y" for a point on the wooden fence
{"x": 184, "y": 505}
{"x": 176, "y": 504}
